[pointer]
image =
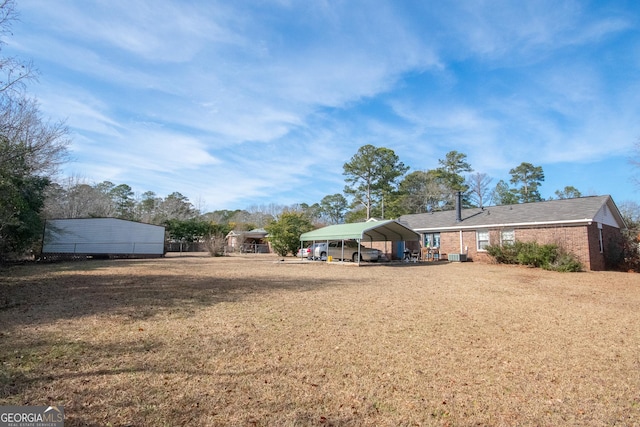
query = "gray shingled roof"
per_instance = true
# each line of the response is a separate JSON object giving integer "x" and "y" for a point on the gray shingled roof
{"x": 566, "y": 211}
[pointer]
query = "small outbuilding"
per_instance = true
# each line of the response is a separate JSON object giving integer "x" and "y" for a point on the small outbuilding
{"x": 252, "y": 241}
{"x": 102, "y": 237}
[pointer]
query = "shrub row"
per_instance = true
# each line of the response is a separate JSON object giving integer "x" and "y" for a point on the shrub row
{"x": 549, "y": 257}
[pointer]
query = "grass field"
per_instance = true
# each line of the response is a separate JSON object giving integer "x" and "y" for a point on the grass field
{"x": 251, "y": 341}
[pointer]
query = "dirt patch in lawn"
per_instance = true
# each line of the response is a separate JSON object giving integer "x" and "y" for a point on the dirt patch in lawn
{"x": 251, "y": 340}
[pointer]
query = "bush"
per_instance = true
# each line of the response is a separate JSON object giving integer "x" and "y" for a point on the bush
{"x": 284, "y": 234}
{"x": 505, "y": 254}
{"x": 215, "y": 244}
{"x": 549, "y": 256}
{"x": 528, "y": 254}
{"x": 614, "y": 255}
{"x": 535, "y": 255}
{"x": 566, "y": 263}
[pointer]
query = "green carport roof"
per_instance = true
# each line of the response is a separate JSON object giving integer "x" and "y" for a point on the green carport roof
{"x": 374, "y": 231}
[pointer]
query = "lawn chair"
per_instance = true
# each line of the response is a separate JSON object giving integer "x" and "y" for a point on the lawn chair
{"x": 415, "y": 256}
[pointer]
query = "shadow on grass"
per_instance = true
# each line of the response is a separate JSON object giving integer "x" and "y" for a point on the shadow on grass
{"x": 45, "y": 294}
{"x": 38, "y": 298}
{"x": 97, "y": 390}
{"x": 420, "y": 264}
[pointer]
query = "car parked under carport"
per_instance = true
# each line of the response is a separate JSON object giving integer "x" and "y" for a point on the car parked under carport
{"x": 360, "y": 233}
{"x": 347, "y": 250}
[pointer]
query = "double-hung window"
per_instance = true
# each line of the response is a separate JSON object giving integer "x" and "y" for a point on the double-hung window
{"x": 482, "y": 239}
{"x": 600, "y": 241}
{"x": 432, "y": 240}
{"x": 507, "y": 237}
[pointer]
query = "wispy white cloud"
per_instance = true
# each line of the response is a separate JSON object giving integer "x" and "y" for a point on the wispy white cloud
{"x": 506, "y": 32}
{"x": 234, "y": 102}
{"x": 152, "y": 31}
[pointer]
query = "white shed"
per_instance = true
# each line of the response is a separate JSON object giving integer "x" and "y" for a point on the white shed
{"x": 102, "y": 237}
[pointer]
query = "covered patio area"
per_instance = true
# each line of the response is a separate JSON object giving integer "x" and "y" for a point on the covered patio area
{"x": 364, "y": 233}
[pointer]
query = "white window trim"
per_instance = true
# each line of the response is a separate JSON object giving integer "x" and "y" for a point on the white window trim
{"x": 600, "y": 240}
{"x": 432, "y": 243}
{"x": 508, "y": 230}
{"x": 478, "y": 248}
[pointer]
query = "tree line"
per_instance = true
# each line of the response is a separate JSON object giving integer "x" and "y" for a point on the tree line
{"x": 376, "y": 185}
{"x": 372, "y": 184}
{"x": 379, "y": 186}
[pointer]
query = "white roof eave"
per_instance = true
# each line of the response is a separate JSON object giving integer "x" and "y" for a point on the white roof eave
{"x": 534, "y": 224}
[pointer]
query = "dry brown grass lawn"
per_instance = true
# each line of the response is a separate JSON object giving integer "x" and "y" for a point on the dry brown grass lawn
{"x": 250, "y": 341}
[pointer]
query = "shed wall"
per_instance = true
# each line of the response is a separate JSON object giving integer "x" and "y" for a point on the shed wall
{"x": 102, "y": 236}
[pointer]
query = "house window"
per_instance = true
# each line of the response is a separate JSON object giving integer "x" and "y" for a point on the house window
{"x": 482, "y": 237}
{"x": 432, "y": 240}
{"x": 600, "y": 240}
{"x": 507, "y": 237}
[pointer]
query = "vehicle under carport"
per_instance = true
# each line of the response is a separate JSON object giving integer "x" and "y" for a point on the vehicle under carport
{"x": 362, "y": 232}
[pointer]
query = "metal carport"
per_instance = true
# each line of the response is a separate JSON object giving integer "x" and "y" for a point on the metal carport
{"x": 370, "y": 231}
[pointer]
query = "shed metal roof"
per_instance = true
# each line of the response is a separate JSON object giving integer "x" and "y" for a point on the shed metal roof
{"x": 373, "y": 231}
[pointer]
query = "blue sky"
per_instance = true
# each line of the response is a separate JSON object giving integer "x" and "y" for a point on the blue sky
{"x": 245, "y": 103}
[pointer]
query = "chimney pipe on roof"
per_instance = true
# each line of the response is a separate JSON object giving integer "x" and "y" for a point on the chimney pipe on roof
{"x": 459, "y": 206}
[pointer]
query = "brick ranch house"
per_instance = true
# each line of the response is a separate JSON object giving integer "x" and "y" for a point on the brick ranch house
{"x": 588, "y": 227}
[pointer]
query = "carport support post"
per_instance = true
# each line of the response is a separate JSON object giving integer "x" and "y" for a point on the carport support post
{"x": 327, "y": 253}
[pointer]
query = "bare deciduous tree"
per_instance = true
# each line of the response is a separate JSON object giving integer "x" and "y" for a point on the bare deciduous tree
{"x": 41, "y": 145}
{"x": 479, "y": 191}
{"x": 262, "y": 215}
{"x": 14, "y": 72}
{"x": 70, "y": 198}
{"x": 424, "y": 191}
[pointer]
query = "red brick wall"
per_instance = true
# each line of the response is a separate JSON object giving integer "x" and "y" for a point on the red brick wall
{"x": 596, "y": 258}
{"x": 573, "y": 239}
{"x": 613, "y": 246}
{"x": 582, "y": 241}
{"x": 389, "y": 249}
